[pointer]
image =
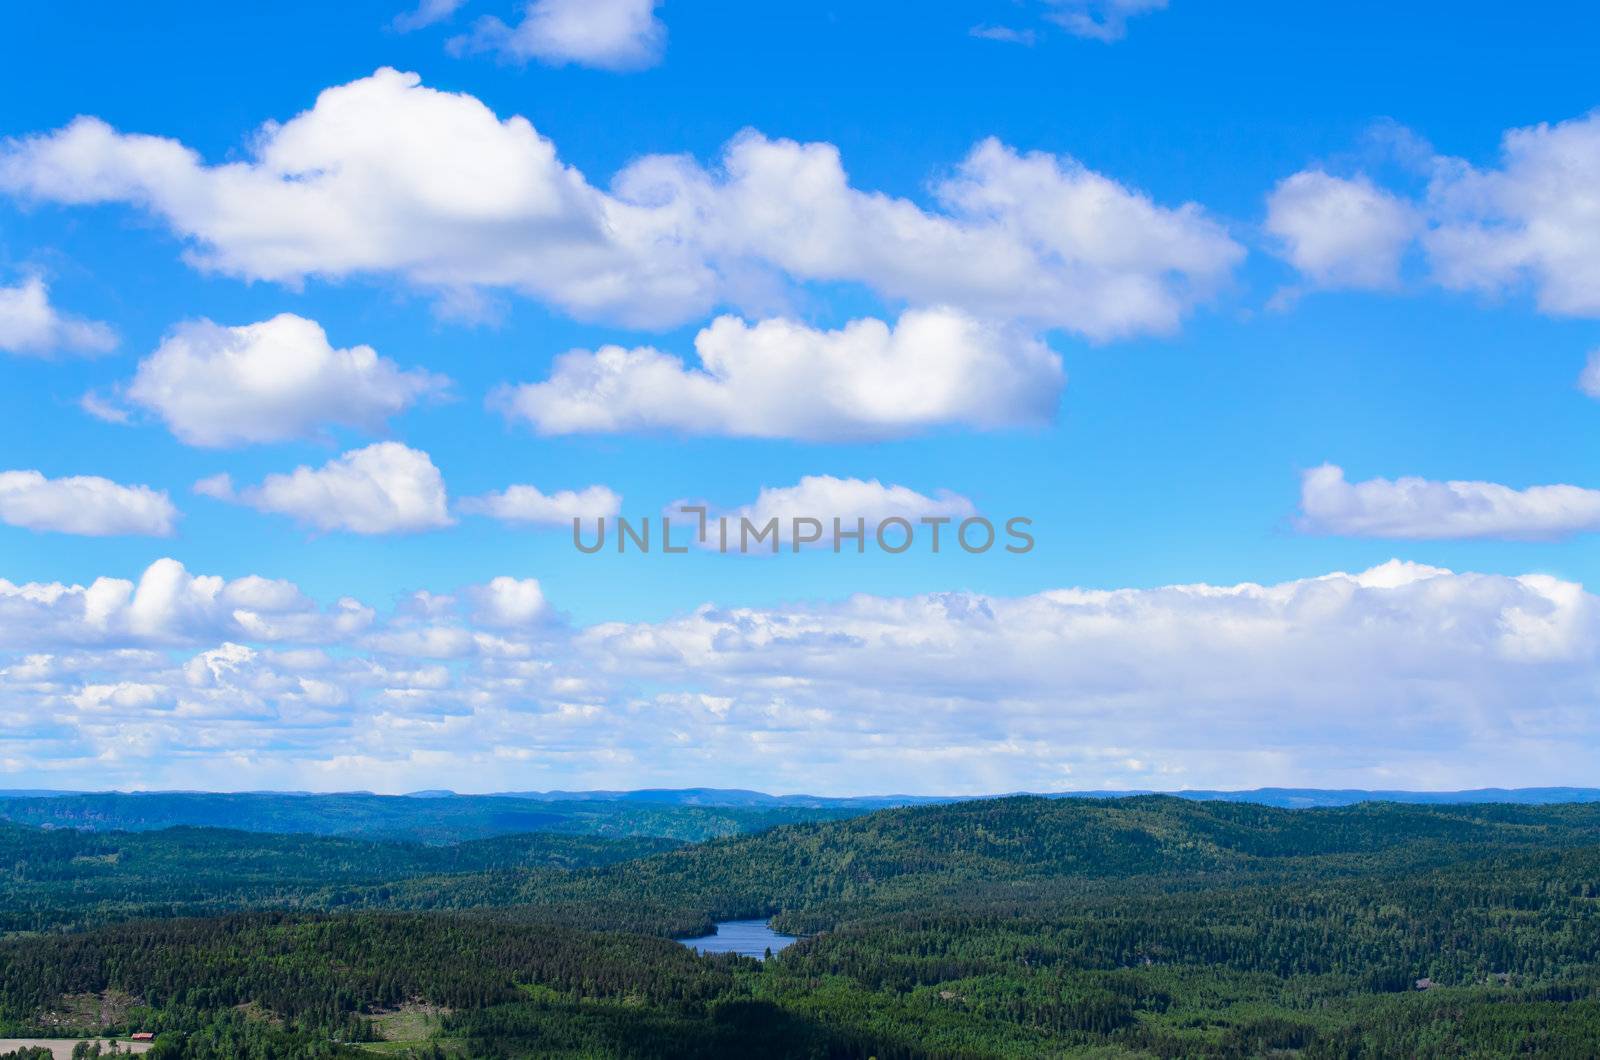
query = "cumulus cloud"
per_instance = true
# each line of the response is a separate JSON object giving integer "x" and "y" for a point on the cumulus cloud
{"x": 384, "y": 176}
{"x": 1532, "y": 221}
{"x": 784, "y": 379}
{"x": 1589, "y": 379}
{"x": 1033, "y": 237}
{"x": 1398, "y": 676}
{"x": 1103, "y": 20}
{"x": 385, "y": 488}
{"x": 270, "y": 382}
{"x": 529, "y": 505}
{"x": 1341, "y": 232}
{"x": 1527, "y": 223}
{"x": 506, "y": 602}
{"x": 31, "y": 326}
{"x": 607, "y": 34}
{"x": 1422, "y": 508}
{"x": 83, "y": 504}
{"x": 168, "y": 606}
{"x": 855, "y": 503}
{"x": 217, "y": 487}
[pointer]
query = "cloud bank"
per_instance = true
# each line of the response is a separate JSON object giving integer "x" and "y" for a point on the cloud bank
{"x": 1399, "y": 676}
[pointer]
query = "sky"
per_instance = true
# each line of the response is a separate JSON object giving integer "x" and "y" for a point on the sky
{"x": 1277, "y": 325}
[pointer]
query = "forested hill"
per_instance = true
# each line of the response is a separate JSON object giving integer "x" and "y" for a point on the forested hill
{"x": 895, "y": 858}
{"x": 60, "y": 878}
{"x": 882, "y": 860}
{"x": 689, "y": 815}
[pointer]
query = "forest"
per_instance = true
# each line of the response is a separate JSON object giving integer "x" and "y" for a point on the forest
{"x": 1137, "y": 927}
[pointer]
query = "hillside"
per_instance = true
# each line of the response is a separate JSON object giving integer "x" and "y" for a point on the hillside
{"x": 812, "y": 873}
{"x": 58, "y": 878}
{"x": 898, "y": 858}
{"x": 1144, "y": 927}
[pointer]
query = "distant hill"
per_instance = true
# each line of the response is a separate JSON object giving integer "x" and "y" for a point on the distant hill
{"x": 1288, "y": 798}
{"x": 439, "y": 818}
{"x": 1293, "y": 798}
{"x": 733, "y": 797}
{"x": 687, "y": 814}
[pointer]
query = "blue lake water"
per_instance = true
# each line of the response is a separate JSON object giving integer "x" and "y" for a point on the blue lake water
{"x": 749, "y": 938}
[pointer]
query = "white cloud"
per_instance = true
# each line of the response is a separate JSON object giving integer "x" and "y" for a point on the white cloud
{"x": 83, "y": 504}
{"x": 426, "y": 13}
{"x": 1534, "y": 220}
{"x": 506, "y": 602}
{"x": 382, "y": 175}
{"x": 527, "y": 504}
{"x": 1104, "y": 20}
{"x": 30, "y": 325}
{"x": 102, "y": 408}
{"x": 1589, "y": 379}
{"x": 1341, "y": 232}
{"x": 386, "y": 176}
{"x": 784, "y": 379}
{"x": 608, "y": 34}
{"x": 1033, "y": 237}
{"x": 218, "y": 487}
{"x": 269, "y": 382}
{"x": 168, "y": 605}
{"x": 1399, "y": 676}
{"x": 1421, "y": 508}
{"x": 853, "y": 502}
{"x": 385, "y": 488}
{"x": 1401, "y": 668}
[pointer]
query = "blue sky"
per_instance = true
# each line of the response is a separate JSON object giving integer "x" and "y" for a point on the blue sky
{"x": 1254, "y": 239}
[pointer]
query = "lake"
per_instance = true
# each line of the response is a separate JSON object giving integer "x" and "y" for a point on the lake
{"x": 748, "y": 938}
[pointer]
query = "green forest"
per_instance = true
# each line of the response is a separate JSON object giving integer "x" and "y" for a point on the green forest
{"x": 1136, "y": 927}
